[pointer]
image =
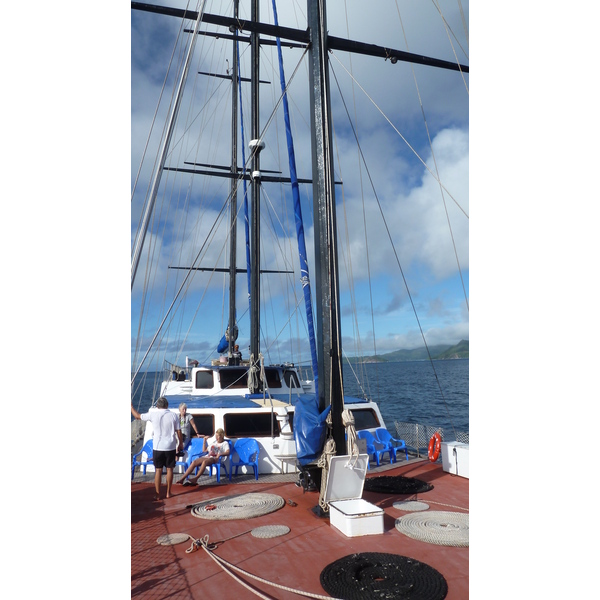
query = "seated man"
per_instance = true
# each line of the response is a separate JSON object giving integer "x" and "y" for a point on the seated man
{"x": 216, "y": 447}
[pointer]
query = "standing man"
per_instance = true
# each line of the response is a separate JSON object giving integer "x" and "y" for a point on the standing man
{"x": 167, "y": 441}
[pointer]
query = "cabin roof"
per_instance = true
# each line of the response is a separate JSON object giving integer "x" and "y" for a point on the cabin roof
{"x": 247, "y": 401}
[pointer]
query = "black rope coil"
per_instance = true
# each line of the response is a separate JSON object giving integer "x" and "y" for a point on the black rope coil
{"x": 374, "y": 575}
{"x": 389, "y": 484}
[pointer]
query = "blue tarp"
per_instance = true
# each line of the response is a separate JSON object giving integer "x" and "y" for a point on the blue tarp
{"x": 310, "y": 428}
{"x": 223, "y": 345}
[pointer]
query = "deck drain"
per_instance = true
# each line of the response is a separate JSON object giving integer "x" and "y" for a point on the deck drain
{"x": 270, "y": 531}
{"x": 240, "y": 506}
{"x": 443, "y": 528}
{"x": 170, "y": 539}
{"x": 374, "y": 575}
{"x": 410, "y": 505}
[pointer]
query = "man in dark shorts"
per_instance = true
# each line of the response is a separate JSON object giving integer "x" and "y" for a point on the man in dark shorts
{"x": 166, "y": 442}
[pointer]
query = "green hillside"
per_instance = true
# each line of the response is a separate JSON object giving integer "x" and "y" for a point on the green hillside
{"x": 461, "y": 350}
{"x": 439, "y": 352}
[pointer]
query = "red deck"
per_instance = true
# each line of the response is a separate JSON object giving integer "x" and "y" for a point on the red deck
{"x": 294, "y": 560}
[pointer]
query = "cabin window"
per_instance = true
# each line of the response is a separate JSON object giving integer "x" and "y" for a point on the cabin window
{"x": 204, "y": 380}
{"x": 253, "y": 424}
{"x": 233, "y": 378}
{"x": 205, "y": 424}
{"x": 273, "y": 379}
{"x": 365, "y": 418}
{"x": 291, "y": 379}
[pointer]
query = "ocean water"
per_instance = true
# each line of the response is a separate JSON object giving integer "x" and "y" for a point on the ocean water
{"x": 430, "y": 393}
{"x": 435, "y": 394}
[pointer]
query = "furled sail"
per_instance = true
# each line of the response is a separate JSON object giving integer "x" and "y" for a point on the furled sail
{"x": 304, "y": 273}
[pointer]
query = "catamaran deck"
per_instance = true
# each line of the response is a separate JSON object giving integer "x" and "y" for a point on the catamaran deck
{"x": 294, "y": 560}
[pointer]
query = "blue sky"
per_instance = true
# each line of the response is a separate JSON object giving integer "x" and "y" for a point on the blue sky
{"x": 407, "y": 201}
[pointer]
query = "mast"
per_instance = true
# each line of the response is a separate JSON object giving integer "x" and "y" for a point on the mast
{"x": 255, "y": 199}
{"x": 330, "y": 383}
{"x": 233, "y": 204}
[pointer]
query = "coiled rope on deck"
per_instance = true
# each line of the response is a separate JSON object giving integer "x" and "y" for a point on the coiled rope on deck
{"x": 240, "y": 506}
{"x": 270, "y": 531}
{"x": 443, "y": 528}
{"x": 411, "y": 505}
{"x": 379, "y": 576}
{"x": 170, "y": 539}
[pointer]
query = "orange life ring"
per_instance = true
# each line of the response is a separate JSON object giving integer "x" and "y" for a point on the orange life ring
{"x": 435, "y": 445}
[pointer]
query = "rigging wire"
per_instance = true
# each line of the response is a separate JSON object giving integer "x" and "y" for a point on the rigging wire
{"x": 183, "y": 64}
{"x": 433, "y": 156}
{"x": 449, "y": 31}
{"x": 187, "y": 276}
{"x": 177, "y": 144}
{"x": 147, "y": 144}
{"x": 464, "y": 21}
{"x": 394, "y": 249}
{"x": 367, "y": 254}
{"x": 185, "y": 283}
{"x": 403, "y": 138}
{"x": 164, "y": 145}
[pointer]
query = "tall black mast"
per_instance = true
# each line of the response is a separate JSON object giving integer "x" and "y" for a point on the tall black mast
{"x": 255, "y": 199}
{"x": 234, "y": 184}
{"x": 326, "y": 265}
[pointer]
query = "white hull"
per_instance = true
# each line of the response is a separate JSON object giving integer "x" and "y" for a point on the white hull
{"x": 277, "y": 451}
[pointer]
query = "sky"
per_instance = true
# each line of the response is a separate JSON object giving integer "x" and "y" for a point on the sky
{"x": 414, "y": 233}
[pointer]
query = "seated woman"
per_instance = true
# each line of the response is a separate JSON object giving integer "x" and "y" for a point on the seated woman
{"x": 216, "y": 447}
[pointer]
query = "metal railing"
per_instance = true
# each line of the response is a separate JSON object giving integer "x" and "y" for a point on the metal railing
{"x": 417, "y": 436}
{"x": 137, "y": 431}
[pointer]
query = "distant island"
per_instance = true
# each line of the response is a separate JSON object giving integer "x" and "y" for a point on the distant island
{"x": 438, "y": 352}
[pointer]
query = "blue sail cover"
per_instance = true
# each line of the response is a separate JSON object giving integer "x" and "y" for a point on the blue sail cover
{"x": 310, "y": 428}
{"x": 304, "y": 274}
{"x": 246, "y": 217}
{"x": 223, "y": 345}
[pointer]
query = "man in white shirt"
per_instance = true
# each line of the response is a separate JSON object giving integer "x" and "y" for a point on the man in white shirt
{"x": 166, "y": 442}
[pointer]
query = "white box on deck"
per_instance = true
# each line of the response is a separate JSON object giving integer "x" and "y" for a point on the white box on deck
{"x": 348, "y": 512}
{"x": 455, "y": 458}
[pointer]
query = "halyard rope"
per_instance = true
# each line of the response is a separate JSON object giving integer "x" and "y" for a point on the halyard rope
{"x": 225, "y": 565}
{"x": 323, "y": 462}
{"x": 348, "y": 421}
{"x": 329, "y": 452}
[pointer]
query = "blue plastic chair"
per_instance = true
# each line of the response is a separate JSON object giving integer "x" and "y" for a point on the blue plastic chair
{"x": 247, "y": 450}
{"x": 373, "y": 446}
{"x": 193, "y": 450}
{"x": 385, "y": 437}
{"x": 147, "y": 448}
{"x": 222, "y": 463}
